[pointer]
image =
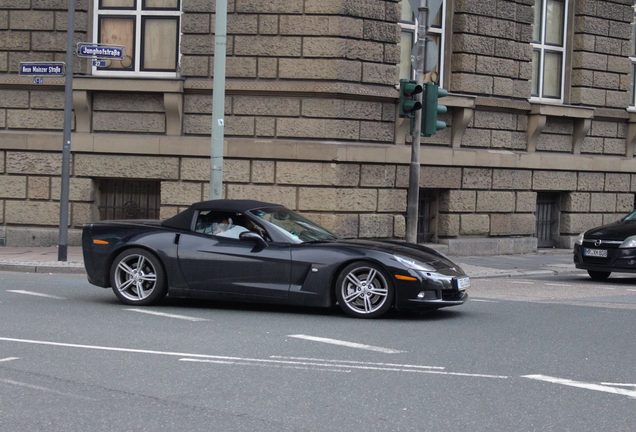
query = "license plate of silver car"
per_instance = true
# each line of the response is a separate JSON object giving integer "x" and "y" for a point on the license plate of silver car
{"x": 598, "y": 253}
{"x": 463, "y": 283}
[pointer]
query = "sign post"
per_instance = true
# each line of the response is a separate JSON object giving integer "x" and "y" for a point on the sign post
{"x": 62, "y": 247}
{"x": 218, "y": 102}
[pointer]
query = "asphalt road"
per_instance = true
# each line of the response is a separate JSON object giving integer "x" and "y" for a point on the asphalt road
{"x": 545, "y": 354}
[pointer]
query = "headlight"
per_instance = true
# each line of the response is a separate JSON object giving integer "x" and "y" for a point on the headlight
{"x": 412, "y": 264}
{"x": 579, "y": 239}
{"x": 629, "y": 242}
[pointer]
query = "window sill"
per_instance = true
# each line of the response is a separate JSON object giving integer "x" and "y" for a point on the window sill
{"x": 163, "y": 85}
{"x": 539, "y": 112}
{"x": 462, "y": 109}
{"x": 172, "y": 90}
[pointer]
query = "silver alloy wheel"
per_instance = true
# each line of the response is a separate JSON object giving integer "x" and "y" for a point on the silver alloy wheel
{"x": 364, "y": 290}
{"x": 135, "y": 277}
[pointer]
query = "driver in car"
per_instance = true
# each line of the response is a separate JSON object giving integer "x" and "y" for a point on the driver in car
{"x": 226, "y": 228}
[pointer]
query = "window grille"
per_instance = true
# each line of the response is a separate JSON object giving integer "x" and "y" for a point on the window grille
{"x": 129, "y": 199}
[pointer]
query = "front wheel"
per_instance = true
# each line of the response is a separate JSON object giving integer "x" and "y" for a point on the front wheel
{"x": 598, "y": 275}
{"x": 364, "y": 291}
{"x": 137, "y": 277}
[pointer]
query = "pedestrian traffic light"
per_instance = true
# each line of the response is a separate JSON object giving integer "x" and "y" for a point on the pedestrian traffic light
{"x": 408, "y": 104}
{"x": 430, "y": 124}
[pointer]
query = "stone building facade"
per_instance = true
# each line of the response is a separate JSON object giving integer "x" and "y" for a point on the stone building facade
{"x": 540, "y": 143}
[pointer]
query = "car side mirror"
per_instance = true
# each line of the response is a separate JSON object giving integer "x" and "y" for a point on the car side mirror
{"x": 253, "y": 237}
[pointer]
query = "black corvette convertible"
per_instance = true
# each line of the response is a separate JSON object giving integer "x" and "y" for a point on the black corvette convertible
{"x": 250, "y": 250}
{"x": 609, "y": 248}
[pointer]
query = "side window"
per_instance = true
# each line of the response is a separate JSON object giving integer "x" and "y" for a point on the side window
{"x": 229, "y": 225}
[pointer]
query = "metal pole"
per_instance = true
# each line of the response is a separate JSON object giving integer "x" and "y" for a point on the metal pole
{"x": 413, "y": 198}
{"x": 218, "y": 101}
{"x": 62, "y": 243}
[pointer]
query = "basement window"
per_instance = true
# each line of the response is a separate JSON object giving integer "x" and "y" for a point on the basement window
{"x": 128, "y": 199}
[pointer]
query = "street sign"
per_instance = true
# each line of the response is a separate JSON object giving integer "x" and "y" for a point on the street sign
{"x": 42, "y": 68}
{"x": 100, "y": 51}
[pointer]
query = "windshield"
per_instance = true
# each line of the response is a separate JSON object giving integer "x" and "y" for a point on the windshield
{"x": 292, "y": 225}
{"x": 630, "y": 217}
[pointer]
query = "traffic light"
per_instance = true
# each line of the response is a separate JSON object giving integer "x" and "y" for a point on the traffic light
{"x": 408, "y": 104}
{"x": 430, "y": 124}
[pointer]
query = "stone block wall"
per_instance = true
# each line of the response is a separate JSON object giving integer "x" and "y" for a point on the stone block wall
{"x": 311, "y": 40}
{"x": 600, "y": 198}
{"x": 601, "y": 47}
{"x": 495, "y": 202}
{"x": 294, "y": 117}
{"x": 24, "y": 109}
{"x": 351, "y": 199}
{"x": 491, "y": 48}
{"x": 36, "y": 31}
{"x": 280, "y": 42}
{"x": 605, "y": 137}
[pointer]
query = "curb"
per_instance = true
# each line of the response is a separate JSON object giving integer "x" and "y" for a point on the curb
{"x": 526, "y": 273}
{"x": 37, "y": 268}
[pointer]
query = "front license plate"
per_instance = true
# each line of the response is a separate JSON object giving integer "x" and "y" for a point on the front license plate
{"x": 599, "y": 253}
{"x": 463, "y": 283}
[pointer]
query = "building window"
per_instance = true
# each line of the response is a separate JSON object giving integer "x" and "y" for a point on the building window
{"x": 427, "y": 216}
{"x": 548, "y": 44}
{"x": 548, "y": 215}
{"x": 129, "y": 199}
{"x": 436, "y": 32}
{"x": 147, "y": 29}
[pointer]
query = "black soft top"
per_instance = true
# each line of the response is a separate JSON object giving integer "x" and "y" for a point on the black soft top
{"x": 183, "y": 220}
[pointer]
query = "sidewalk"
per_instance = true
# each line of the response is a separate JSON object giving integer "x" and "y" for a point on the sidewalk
{"x": 544, "y": 262}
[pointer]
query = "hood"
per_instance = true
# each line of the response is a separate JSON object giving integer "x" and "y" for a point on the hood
{"x": 415, "y": 252}
{"x": 615, "y": 231}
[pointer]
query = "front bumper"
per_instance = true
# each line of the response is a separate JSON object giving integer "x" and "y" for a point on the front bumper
{"x": 618, "y": 260}
{"x": 430, "y": 291}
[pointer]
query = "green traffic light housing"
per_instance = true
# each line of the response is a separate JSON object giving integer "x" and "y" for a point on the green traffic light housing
{"x": 430, "y": 123}
{"x": 409, "y": 90}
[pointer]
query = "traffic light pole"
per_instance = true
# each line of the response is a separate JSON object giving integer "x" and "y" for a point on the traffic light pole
{"x": 416, "y": 125}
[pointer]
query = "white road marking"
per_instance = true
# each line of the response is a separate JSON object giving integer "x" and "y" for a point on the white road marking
{"x": 346, "y": 344}
{"x": 165, "y": 315}
{"x": 264, "y": 365}
{"x": 584, "y": 385}
{"x": 356, "y": 362}
{"x": 522, "y": 282}
{"x": 482, "y": 300}
{"x": 607, "y": 288}
{"x": 360, "y": 367}
{"x": 407, "y": 368}
{"x": 619, "y": 384}
{"x": 8, "y": 359}
{"x": 36, "y": 294}
{"x": 44, "y": 389}
{"x": 632, "y": 290}
{"x": 558, "y": 284}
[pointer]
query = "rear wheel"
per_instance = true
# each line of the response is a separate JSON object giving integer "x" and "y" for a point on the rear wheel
{"x": 364, "y": 290}
{"x": 598, "y": 275}
{"x": 137, "y": 277}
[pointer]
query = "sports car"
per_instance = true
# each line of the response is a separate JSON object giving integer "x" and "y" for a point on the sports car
{"x": 255, "y": 251}
{"x": 607, "y": 249}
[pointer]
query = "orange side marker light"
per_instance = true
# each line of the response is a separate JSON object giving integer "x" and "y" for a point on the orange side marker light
{"x": 405, "y": 278}
{"x": 100, "y": 242}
